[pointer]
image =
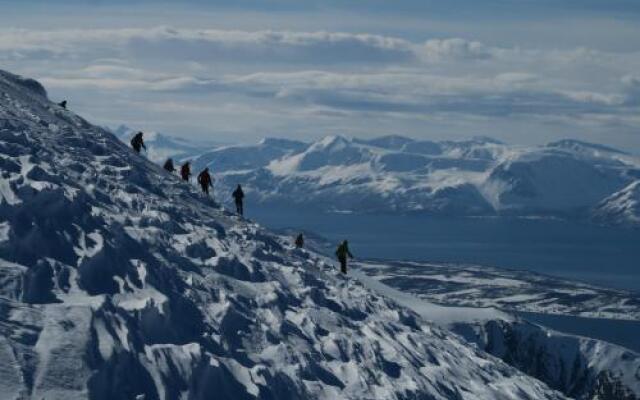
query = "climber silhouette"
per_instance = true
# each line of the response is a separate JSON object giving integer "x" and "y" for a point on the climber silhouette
{"x": 299, "y": 242}
{"x": 137, "y": 142}
{"x": 63, "y": 104}
{"x": 342, "y": 252}
{"x": 168, "y": 165}
{"x": 238, "y": 195}
{"x": 185, "y": 171}
{"x": 205, "y": 180}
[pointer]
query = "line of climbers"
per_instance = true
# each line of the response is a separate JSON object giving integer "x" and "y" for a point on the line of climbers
{"x": 205, "y": 180}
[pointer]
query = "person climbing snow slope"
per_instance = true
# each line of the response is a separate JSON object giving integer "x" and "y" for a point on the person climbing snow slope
{"x": 137, "y": 142}
{"x": 205, "y": 180}
{"x": 238, "y": 196}
{"x": 185, "y": 171}
{"x": 342, "y": 253}
{"x": 168, "y": 165}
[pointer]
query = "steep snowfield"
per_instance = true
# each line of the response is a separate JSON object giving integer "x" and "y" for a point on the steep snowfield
{"x": 118, "y": 280}
{"x": 580, "y": 367}
{"x": 621, "y": 208}
{"x": 396, "y": 174}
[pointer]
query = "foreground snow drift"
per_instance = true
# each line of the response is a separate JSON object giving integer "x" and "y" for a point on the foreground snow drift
{"x": 118, "y": 280}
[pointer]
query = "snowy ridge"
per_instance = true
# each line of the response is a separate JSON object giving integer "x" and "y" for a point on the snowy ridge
{"x": 117, "y": 280}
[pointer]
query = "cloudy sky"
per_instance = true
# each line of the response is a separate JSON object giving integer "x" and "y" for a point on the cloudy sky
{"x": 523, "y": 71}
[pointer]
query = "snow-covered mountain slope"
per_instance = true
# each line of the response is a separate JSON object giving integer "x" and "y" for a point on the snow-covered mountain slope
{"x": 161, "y": 146}
{"x": 580, "y": 367}
{"x": 621, "y": 208}
{"x": 397, "y": 174}
{"x": 118, "y": 280}
{"x": 336, "y": 173}
{"x": 239, "y": 158}
{"x": 511, "y": 290}
{"x": 554, "y": 180}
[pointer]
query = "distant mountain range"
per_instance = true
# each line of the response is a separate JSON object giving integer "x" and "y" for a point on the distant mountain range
{"x": 395, "y": 174}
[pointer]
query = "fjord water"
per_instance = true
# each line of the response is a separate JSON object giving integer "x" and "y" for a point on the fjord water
{"x": 620, "y": 332}
{"x": 600, "y": 255}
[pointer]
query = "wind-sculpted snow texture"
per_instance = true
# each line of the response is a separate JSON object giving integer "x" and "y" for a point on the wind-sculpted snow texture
{"x": 118, "y": 280}
{"x": 568, "y": 178}
{"x": 582, "y": 368}
{"x": 481, "y": 286}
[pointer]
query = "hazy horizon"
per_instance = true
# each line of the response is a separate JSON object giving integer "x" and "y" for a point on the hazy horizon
{"x": 523, "y": 72}
{"x": 212, "y": 140}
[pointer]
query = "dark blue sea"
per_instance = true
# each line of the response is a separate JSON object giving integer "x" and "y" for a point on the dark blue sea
{"x": 600, "y": 255}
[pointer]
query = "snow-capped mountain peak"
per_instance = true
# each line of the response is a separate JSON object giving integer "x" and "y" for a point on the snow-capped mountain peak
{"x": 391, "y": 142}
{"x": 330, "y": 143}
{"x": 583, "y": 147}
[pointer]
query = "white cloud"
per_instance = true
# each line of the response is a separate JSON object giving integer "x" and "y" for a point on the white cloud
{"x": 283, "y": 80}
{"x": 410, "y": 91}
{"x": 206, "y": 45}
{"x": 596, "y": 98}
{"x": 455, "y": 48}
